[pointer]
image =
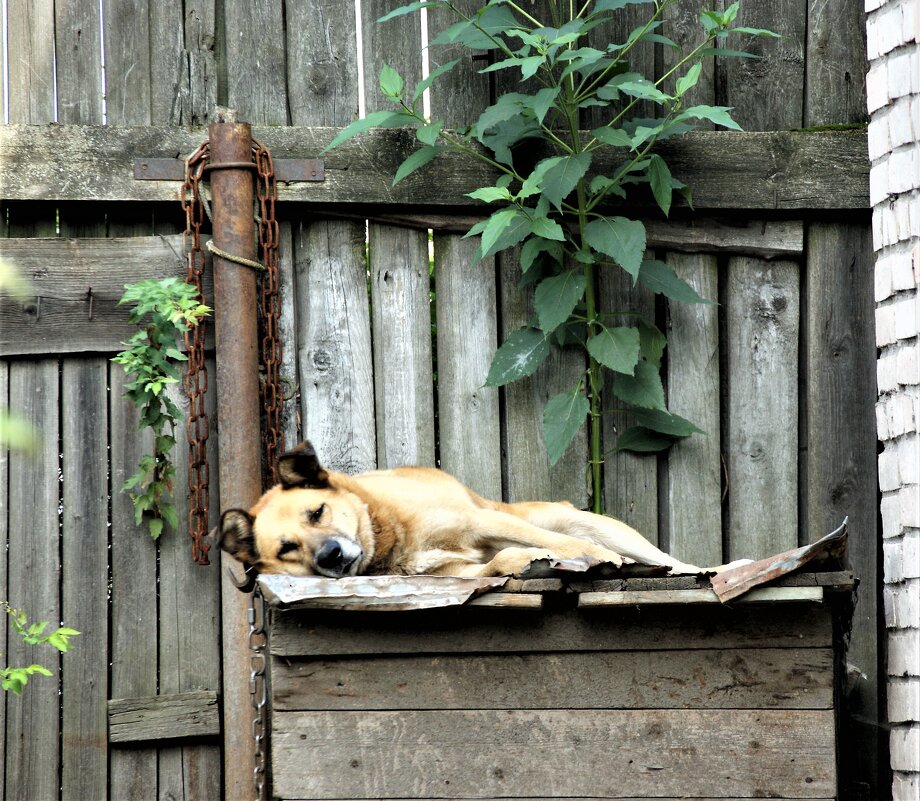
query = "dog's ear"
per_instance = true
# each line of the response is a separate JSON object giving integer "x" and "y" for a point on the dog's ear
{"x": 235, "y": 536}
{"x": 300, "y": 467}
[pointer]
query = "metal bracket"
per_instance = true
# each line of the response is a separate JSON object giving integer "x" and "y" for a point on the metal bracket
{"x": 286, "y": 170}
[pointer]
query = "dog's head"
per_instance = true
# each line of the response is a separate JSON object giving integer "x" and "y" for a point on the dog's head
{"x": 304, "y": 526}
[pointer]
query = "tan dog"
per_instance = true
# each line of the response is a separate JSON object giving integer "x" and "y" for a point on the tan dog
{"x": 412, "y": 521}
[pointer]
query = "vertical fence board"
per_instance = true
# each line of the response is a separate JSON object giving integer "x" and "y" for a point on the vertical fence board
{"x": 630, "y": 480}
{"x": 467, "y": 325}
{"x": 400, "y": 295}
{"x": 85, "y": 533}
{"x": 841, "y": 458}
{"x": 333, "y": 315}
{"x": 682, "y": 24}
{"x": 77, "y": 38}
{"x": 398, "y": 260}
{"x": 762, "y": 342}
{"x": 30, "y": 47}
{"x": 189, "y": 629}
{"x": 4, "y": 540}
{"x": 134, "y": 593}
{"x": 694, "y": 463}
{"x": 32, "y": 719}
{"x": 287, "y": 332}
{"x": 528, "y": 475}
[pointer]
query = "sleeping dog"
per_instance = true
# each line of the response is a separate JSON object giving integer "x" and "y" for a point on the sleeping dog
{"x": 412, "y": 521}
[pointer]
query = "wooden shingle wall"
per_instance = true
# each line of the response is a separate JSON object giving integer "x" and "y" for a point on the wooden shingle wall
{"x": 780, "y": 373}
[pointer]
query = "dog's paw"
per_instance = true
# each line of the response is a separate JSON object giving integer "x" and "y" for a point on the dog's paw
{"x": 513, "y": 561}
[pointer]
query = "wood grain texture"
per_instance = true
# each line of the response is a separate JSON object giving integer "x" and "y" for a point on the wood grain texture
{"x": 334, "y": 336}
{"x": 731, "y": 679}
{"x": 77, "y": 284}
{"x": 4, "y": 534}
{"x": 762, "y": 331}
{"x": 481, "y": 630}
{"x": 134, "y": 621}
{"x": 776, "y": 79}
{"x": 85, "y": 574}
{"x": 32, "y": 719}
{"x": 630, "y": 479}
{"x": 553, "y": 753}
{"x": 835, "y": 64}
{"x": 403, "y": 380}
{"x": 78, "y": 62}
{"x": 164, "y": 717}
{"x": 470, "y": 444}
{"x": 695, "y": 463}
{"x": 727, "y": 170}
{"x": 287, "y": 333}
{"x": 30, "y": 47}
{"x": 528, "y": 475}
{"x": 840, "y": 461}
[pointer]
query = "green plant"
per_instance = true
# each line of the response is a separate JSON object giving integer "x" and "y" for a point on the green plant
{"x": 555, "y": 207}
{"x": 32, "y": 634}
{"x": 164, "y": 309}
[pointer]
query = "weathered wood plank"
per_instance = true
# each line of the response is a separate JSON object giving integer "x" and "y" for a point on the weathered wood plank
{"x": 134, "y": 623}
{"x": 727, "y": 170}
{"x": 737, "y": 679}
{"x": 604, "y": 797}
{"x": 287, "y": 333}
{"x": 164, "y": 717}
{"x": 4, "y": 534}
{"x": 78, "y": 62}
{"x": 30, "y": 47}
{"x": 32, "y": 719}
{"x": 468, "y": 413}
{"x": 695, "y": 463}
{"x": 762, "y": 431}
{"x": 840, "y": 461}
{"x": 477, "y": 630}
{"x": 527, "y": 475}
{"x": 508, "y": 601}
{"x": 835, "y": 63}
{"x": 541, "y": 753}
{"x": 85, "y": 577}
{"x": 701, "y": 596}
{"x": 77, "y": 284}
{"x": 630, "y": 479}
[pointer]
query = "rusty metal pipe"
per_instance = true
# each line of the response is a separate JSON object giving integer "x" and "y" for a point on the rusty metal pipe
{"x": 239, "y": 445}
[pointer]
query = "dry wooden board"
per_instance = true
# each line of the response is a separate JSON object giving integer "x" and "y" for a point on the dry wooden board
{"x": 603, "y": 797}
{"x": 703, "y": 596}
{"x": 552, "y": 753}
{"x": 472, "y": 630}
{"x": 77, "y": 284}
{"x": 727, "y": 170}
{"x": 708, "y": 679}
{"x": 164, "y": 717}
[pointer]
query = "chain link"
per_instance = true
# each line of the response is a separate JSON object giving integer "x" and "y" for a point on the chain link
{"x": 258, "y": 688}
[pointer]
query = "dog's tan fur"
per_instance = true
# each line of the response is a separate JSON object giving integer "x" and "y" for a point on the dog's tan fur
{"x": 413, "y": 520}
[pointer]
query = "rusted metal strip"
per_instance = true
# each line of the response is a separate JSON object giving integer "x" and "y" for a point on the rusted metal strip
{"x": 286, "y": 170}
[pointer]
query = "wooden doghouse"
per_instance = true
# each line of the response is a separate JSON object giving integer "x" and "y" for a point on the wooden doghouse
{"x": 634, "y": 688}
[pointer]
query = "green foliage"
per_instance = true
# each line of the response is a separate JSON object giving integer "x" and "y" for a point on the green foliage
{"x": 164, "y": 309}
{"x": 556, "y": 209}
{"x": 13, "y": 678}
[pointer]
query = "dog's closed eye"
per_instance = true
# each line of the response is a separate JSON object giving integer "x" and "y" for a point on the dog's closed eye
{"x": 287, "y": 547}
{"x": 315, "y": 515}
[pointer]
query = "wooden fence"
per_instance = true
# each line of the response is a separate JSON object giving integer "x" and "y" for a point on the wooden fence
{"x": 780, "y": 373}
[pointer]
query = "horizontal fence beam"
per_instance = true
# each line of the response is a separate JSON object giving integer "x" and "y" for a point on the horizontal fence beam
{"x": 777, "y": 170}
{"x": 164, "y": 717}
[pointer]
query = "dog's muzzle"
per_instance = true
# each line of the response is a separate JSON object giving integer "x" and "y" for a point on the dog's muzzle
{"x": 338, "y": 557}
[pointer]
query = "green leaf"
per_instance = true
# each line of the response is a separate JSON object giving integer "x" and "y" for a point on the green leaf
{"x": 170, "y": 515}
{"x": 543, "y": 102}
{"x": 616, "y": 348}
{"x": 519, "y": 356}
{"x": 666, "y": 423}
{"x": 534, "y": 182}
{"x": 508, "y": 105}
{"x": 384, "y": 119}
{"x": 562, "y": 178}
{"x": 688, "y": 81}
{"x": 391, "y": 82}
{"x": 428, "y": 134}
{"x": 717, "y": 114}
{"x": 408, "y": 9}
{"x": 724, "y": 52}
{"x": 757, "y": 32}
{"x": 417, "y": 160}
{"x": 659, "y": 177}
{"x": 495, "y": 226}
{"x": 615, "y": 137}
{"x": 534, "y": 246}
{"x": 155, "y": 525}
{"x": 490, "y": 194}
{"x": 644, "y": 90}
{"x": 436, "y": 73}
{"x": 651, "y": 343}
{"x": 562, "y": 417}
{"x": 639, "y": 439}
{"x": 556, "y": 298}
{"x": 529, "y": 65}
{"x": 621, "y": 239}
{"x": 661, "y": 278}
{"x": 548, "y": 229}
{"x": 643, "y": 389}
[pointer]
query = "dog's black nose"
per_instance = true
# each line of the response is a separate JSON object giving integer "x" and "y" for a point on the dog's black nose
{"x": 329, "y": 556}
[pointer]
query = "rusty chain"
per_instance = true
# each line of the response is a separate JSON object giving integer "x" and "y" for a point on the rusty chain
{"x": 196, "y": 377}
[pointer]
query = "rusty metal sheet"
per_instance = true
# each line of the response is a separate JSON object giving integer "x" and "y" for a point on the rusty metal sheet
{"x": 739, "y": 580}
{"x": 286, "y": 170}
{"x": 379, "y": 593}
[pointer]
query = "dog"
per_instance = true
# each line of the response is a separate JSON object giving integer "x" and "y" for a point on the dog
{"x": 414, "y": 521}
